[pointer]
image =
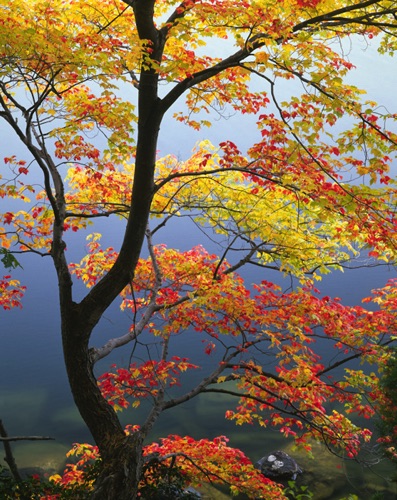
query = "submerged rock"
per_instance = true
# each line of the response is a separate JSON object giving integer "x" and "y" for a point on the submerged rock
{"x": 278, "y": 465}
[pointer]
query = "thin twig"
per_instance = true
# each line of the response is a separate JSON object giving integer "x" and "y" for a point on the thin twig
{"x": 9, "y": 458}
{"x": 6, "y": 439}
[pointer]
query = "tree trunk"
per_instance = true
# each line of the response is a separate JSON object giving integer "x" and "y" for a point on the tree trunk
{"x": 121, "y": 455}
{"x": 119, "y": 478}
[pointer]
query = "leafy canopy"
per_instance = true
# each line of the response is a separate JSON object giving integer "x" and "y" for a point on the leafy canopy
{"x": 310, "y": 193}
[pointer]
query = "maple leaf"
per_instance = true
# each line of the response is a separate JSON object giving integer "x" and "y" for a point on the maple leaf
{"x": 309, "y": 194}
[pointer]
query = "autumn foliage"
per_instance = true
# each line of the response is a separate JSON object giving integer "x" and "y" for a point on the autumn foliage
{"x": 85, "y": 88}
{"x": 198, "y": 460}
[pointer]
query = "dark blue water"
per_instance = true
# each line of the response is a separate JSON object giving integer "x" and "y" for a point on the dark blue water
{"x": 34, "y": 394}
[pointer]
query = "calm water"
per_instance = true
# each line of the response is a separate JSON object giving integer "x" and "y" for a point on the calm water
{"x": 34, "y": 395}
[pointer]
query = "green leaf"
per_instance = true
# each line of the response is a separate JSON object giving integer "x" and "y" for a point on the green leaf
{"x": 8, "y": 259}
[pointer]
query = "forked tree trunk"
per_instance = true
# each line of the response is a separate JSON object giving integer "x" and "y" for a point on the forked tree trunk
{"x": 121, "y": 455}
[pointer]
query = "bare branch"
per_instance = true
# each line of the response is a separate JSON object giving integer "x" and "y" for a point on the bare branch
{"x": 97, "y": 353}
{"x": 25, "y": 438}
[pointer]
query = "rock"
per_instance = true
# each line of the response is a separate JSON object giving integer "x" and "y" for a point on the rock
{"x": 278, "y": 465}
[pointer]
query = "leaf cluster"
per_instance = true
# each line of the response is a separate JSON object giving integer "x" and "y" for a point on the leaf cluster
{"x": 35, "y": 487}
{"x": 174, "y": 464}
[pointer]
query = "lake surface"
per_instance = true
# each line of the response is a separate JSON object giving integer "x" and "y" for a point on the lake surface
{"x": 34, "y": 394}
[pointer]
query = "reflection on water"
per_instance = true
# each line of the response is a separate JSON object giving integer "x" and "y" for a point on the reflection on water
{"x": 22, "y": 408}
{"x": 329, "y": 477}
{"x": 47, "y": 455}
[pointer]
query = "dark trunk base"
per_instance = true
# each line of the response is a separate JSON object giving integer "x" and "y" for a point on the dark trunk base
{"x": 121, "y": 472}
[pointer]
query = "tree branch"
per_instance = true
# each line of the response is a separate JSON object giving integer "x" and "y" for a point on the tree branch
{"x": 330, "y": 16}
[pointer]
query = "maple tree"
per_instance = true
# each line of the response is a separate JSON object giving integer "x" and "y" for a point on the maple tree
{"x": 309, "y": 193}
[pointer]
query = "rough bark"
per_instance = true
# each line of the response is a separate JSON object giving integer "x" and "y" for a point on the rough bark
{"x": 121, "y": 471}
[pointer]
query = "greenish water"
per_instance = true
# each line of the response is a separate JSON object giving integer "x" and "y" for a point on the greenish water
{"x": 327, "y": 476}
